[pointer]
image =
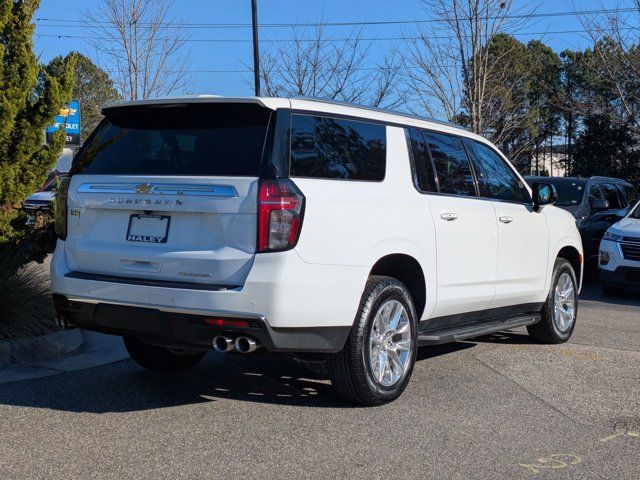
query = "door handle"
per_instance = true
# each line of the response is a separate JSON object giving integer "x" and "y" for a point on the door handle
{"x": 505, "y": 219}
{"x": 448, "y": 216}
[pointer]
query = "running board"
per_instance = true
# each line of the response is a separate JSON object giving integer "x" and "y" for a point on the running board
{"x": 477, "y": 330}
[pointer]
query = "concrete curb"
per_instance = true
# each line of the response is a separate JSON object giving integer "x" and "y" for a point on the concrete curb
{"x": 92, "y": 350}
{"x": 44, "y": 347}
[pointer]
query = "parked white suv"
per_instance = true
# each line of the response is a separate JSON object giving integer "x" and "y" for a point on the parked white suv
{"x": 325, "y": 230}
{"x": 619, "y": 255}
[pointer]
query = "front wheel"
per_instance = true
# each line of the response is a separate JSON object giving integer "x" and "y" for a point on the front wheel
{"x": 375, "y": 365}
{"x": 561, "y": 308}
{"x": 163, "y": 359}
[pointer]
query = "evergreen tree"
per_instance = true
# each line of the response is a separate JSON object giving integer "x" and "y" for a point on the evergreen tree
{"x": 607, "y": 148}
{"x": 524, "y": 84}
{"x": 30, "y": 98}
{"x": 544, "y": 94}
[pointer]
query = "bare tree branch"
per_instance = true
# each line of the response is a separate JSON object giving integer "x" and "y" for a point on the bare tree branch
{"x": 313, "y": 65}
{"x": 143, "y": 60}
{"x": 453, "y": 59}
{"x": 616, "y": 47}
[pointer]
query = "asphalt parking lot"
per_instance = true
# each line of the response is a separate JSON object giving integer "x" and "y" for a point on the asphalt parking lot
{"x": 496, "y": 407}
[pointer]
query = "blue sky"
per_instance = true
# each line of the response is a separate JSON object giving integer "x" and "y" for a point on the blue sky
{"x": 234, "y": 56}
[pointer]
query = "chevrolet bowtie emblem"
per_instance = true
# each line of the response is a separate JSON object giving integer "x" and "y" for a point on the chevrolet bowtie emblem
{"x": 144, "y": 188}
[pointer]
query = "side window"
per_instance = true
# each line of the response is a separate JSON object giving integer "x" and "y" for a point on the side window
{"x": 595, "y": 193}
{"x": 451, "y": 164}
{"x": 611, "y": 195}
{"x": 496, "y": 179}
{"x": 424, "y": 174}
{"x": 324, "y": 147}
{"x": 629, "y": 193}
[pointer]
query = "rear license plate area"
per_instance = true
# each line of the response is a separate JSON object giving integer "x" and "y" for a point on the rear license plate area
{"x": 148, "y": 228}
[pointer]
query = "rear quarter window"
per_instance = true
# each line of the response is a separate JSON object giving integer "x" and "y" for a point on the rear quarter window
{"x": 193, "y": 139}
{"x": 327, "y": 147}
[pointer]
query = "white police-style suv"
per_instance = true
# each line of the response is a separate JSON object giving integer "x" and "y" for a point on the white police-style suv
{"x": 329, "y": 231}
{"x": 619, "y": 255}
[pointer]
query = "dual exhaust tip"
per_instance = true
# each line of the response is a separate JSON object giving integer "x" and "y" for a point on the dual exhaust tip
{"x": 63, "y": 323}
{"x": 222, "y": 343}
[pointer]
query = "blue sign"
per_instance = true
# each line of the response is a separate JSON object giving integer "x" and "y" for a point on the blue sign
{"x": 69, "y": 118}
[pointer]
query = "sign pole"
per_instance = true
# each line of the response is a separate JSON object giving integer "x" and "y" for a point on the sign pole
{"x": 256, "y": 51}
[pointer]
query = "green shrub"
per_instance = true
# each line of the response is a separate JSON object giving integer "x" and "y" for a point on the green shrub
{"x": 26, "y": 308}
{"x": 30, "y": 97}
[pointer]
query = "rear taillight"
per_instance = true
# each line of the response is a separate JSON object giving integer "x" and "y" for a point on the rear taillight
{"x": 280, "y": 211}
{"x": 61, "y": 206}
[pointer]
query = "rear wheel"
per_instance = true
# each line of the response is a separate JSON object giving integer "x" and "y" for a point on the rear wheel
{"x": 162, "y": 359}
{"x": 376, "y": 363}
{"x": 561, "y": 308}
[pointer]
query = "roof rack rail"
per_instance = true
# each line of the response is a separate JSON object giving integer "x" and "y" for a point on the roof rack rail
{"x": 381, "y": 110}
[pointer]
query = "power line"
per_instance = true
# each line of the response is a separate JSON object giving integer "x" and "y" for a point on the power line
{"x": 84, "y": 23}
{"x": 281, "y": 70}
{"x": 345, "y": 39}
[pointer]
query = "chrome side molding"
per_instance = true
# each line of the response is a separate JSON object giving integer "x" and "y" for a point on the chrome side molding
{"x": 190, "y": 190}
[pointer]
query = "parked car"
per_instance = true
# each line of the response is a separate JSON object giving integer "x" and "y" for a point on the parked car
{"x": 619, "y": 258}
{"x": 42, "y": 200}
{"x": 595, "y": 202}
{"x": 331, "y": 232}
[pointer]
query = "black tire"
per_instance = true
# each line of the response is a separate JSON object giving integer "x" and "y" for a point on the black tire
{"x": 546, "y": 330}
{"x": 350, "y": 373}
{"x": 160, "y": 358}
{"x": 612, "y": 290}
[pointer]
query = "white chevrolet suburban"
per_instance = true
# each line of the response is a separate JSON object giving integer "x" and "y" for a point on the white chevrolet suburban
{"x": 335, "y": 233}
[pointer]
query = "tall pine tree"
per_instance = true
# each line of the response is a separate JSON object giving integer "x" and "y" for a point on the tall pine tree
{"x": 30, "y": 97}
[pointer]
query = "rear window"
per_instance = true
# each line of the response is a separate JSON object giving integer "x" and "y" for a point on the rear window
{"x": 570, "y": 193}
{"x": 325, "y": 147}
{"x": 193, "y": 139}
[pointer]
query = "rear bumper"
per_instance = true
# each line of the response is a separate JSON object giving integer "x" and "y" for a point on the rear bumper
{"x": 187, "y": 330}
{"x": 300, "y": 306}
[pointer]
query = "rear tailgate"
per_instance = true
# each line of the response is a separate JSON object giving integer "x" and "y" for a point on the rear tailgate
{"x": 168, "y": 193}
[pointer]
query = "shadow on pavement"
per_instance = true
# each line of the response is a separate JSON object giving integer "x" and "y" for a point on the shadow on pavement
{"x": 507, "y": 337}
{"x": 425, "y": 353}
{"x": 592, "y": 292}
{"x": 124, "y": 387}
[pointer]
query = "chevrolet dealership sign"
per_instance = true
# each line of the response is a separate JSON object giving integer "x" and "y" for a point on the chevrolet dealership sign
{"x": 69, "y": 119}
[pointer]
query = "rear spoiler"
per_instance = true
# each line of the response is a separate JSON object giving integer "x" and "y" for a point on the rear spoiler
{"x": 267, "y": 102}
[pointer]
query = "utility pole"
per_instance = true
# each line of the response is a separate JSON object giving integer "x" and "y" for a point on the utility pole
{"x": 256, "y": 50}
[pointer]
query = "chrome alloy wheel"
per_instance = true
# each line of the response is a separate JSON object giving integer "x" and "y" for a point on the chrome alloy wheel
{"x": 390, "y": 343}
{"x": 564, "y": 303}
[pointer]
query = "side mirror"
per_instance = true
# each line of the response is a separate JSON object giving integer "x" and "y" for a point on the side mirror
{"x": 543, "y": 194}
{"x": 599, "y": 205}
